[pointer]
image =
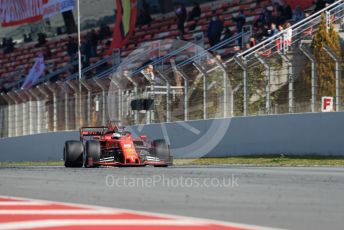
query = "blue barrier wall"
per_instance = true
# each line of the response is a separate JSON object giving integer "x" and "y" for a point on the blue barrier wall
{"x": 40, "y": 147}
{"x": 298, "y": 134}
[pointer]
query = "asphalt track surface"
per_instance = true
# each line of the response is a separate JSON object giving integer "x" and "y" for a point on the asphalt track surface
{"x": 287, "y": 198}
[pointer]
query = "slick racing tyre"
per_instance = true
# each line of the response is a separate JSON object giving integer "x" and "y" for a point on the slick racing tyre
{"x": 92, "y": 153}
{"x": 73, "y": 152}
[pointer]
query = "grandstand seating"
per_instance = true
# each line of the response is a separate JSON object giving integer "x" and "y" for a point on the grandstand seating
{"x": 18, "y": 63}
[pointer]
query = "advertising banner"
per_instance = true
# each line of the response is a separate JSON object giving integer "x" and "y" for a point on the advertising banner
{"x": 19, "y": 12}
{"x": 53, "y": 7}
{"x": 14, "y": 13}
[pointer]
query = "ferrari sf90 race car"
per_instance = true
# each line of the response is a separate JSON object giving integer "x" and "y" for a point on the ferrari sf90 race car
{"x": 115, "y": 146}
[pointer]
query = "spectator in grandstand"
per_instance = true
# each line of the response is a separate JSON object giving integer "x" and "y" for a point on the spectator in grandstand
{"x": 260, "y": 27}
{"x": 287, "y": 12}
{"x": 46, "y": 73}
{"x": 227, "y": 34}
{"x": 240, "y": 21}
{"x": 3, "y": 42}
{"x": 94, "y": 43}
{"x": 279, "y": 41}
{"x": 27, "y": 38}
{"x": 180, "y": 12}
{"x": 8, "y": 45}
{"x": 102, "y": 67}
{"x": 107, "y": 45}
{"x": 86, "y": 50}
{"x": 280, "y": 28}
{"x": 149, "y": 74}
{"x": 273, "y": 30}
{"x": 72, "y": 48}
{"x": 307, "y": 28}
{"x": 288, "y": 34}
{"x": 298, "y": 14}
{"x": 144, "y": 15}
{"x": 212, "y": 60}
{"x": 277, "y": 14}
{"x": 195, "y": 12}
{"x": 193, "y": 26}
{"x": 46, "y": 53}
{"x": 257, "y": 31}
{"x": 42, "y": 39}
{"x": 253, "y": 41}
{"x": 104, "y": 32}
{"x": 319, "y": 5}
{"x": 264, "y": 17}
{"x": 215, "y": 28}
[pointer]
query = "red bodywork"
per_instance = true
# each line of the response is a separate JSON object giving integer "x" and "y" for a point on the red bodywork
{"x": 125, "y": 143}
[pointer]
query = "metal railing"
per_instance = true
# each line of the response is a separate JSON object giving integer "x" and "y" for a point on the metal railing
{"x": 300, "y": 30}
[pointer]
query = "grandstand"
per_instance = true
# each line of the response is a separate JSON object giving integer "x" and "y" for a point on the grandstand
{"x": 61, "y": 102}
{"x": 164, "y": 27}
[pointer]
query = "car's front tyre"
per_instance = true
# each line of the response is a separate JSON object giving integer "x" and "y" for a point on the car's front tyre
{"x": 92, "y": 153}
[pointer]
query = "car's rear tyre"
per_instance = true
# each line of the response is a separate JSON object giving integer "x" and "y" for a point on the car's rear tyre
{"x": 73, "y": 152}
{"x": 162, "y": 150}
{"x": 92, "y": 153}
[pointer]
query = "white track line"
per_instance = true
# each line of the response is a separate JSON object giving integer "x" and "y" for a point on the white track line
{"x": 57, "y": 212}
{"x": 21, "y": 203}
{"x": 151, "y": 214}
{"x": 103, "y": 222}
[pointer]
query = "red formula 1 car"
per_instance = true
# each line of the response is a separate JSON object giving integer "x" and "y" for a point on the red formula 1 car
{"x": 114, "y": 146}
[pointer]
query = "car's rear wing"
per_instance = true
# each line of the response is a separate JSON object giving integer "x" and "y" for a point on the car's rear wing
{"x": 92, "y": 131}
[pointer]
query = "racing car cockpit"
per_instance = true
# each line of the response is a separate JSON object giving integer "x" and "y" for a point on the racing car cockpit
{"x": 116, "y": 130}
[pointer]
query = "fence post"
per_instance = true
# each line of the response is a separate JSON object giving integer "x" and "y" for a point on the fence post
{"x": 337, "y": 59}
{"x": 64, "y": 88}
{"x": 38, "y": 111}
{"x": 3, "y": 116}
{"x": 168, "y": 89}
{"x": 30, "y": 112}
{"x": 225, "y": 87}
{"x": 46, "y": 95}
{"x": 311, "y": 57}
{"x": 267, "y": 83}
{"x": 77, "y": 101}
{"x": 118, "y": 86}
{"x": 243, "y": 66}
{"x": 135, "y": 84}
{"x": 205, "y": 89}
{"x": 16, "y": 115}
{"x": 10, "y": 125}
{"x": 89, "y": 91}
{"x": 290, "y": 83}
{"x": 328, "y": 20}
{"x": 116, "y": 57}
{"x": 22, "y": 110}
{"x": 54, "y": 91}
{"x": 150, "y": 115}
{"x": 103, "y": 88}
{"x": 186, "y": 91}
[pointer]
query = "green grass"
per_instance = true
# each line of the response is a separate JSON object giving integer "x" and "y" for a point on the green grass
{"x": 268, "y": 160}
{"x": 271, "y": 160}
